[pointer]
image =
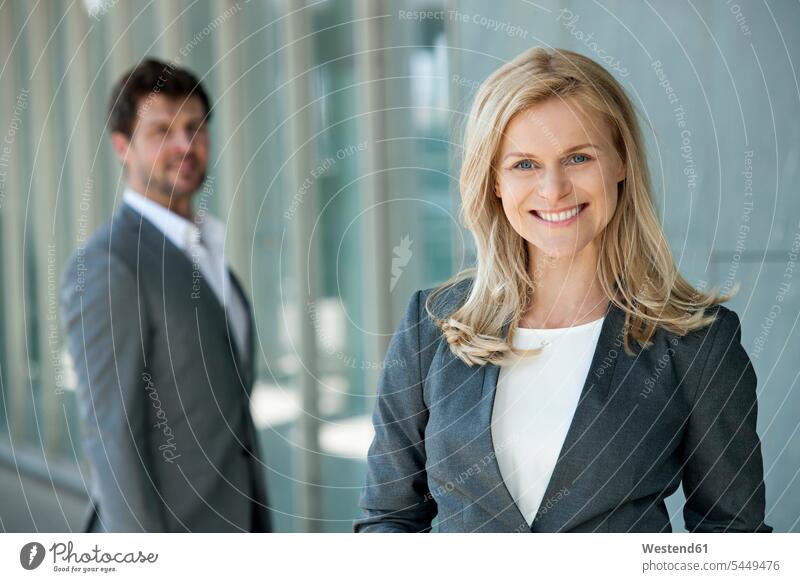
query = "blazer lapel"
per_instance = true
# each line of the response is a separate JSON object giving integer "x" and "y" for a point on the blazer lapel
{"x": 246, "y": 359}
{"x": 497, "y": 499}
{"x": 569, "y": 464}
{"x": 173, "y": 262}
{"x": 572, "y": 460}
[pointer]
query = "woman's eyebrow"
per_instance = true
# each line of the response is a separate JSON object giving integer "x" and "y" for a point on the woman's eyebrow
{"x": 571, "y": 149}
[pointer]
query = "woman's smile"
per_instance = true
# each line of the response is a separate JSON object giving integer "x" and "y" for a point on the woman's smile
{"x": 559, "y": 218}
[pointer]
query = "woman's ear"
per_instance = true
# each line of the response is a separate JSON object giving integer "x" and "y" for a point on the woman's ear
{"x": 622, "y": 173}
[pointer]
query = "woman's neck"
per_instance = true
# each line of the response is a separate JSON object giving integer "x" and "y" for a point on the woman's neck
{"x": 567, "y": 291}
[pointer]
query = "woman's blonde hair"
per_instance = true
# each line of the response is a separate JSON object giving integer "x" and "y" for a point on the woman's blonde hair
{"x": 636, "y": 268}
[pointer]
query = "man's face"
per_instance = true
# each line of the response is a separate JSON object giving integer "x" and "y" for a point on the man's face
{"x": 167, "y": 155}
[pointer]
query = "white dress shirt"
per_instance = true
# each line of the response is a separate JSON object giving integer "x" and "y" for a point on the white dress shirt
{"x": 534, "y": 405}
{"x": 203, "y": 242}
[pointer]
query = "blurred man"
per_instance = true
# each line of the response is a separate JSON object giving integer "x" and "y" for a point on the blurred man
{"x": 160, "y": 332}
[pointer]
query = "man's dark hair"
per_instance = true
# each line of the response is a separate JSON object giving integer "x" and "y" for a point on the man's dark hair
{"x": 145, "y": 81}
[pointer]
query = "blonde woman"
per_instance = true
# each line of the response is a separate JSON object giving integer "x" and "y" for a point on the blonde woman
{"x": 573, "y": 379}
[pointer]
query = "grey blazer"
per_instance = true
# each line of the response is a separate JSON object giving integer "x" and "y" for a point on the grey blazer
{"x": 682, "y": 411}
{"x": 162, "y": 392}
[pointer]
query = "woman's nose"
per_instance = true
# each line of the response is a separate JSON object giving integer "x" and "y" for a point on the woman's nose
{"x": 554, "y": 184}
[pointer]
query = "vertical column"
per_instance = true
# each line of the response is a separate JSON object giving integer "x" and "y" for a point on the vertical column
{"x": 170, "y": 24}
{"x": 82, "y": 120}
{"x": 297, "y": 52}
{"x": 459, "y": 104}
{"x": 116, "y": 24}
{"x": 79, "y": 195}
{"x": 376, "y": 252}
{"x": 41, "y": 219}
{"x": 119, "y": 18}
{"x": 229, "y": 114}
{"x": 12, "y": 204}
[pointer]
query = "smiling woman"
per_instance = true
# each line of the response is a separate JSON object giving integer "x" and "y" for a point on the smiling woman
{"x": 555, "y": 187}
{"x": 550, "y": 134}
{"x": 522, "y": 406}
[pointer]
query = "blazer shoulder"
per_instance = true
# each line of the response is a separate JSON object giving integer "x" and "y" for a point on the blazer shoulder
{"x": 726, "y": 321}
{"x": 720, "y": 339}
{"x": 442, "y": 300}
{"x": 728, "y": 329}
{"x": 726, "y": 324}
{"x": 720, "y": 311}
{"x": 111, "y": 243}
{"x": 425, "y": 308}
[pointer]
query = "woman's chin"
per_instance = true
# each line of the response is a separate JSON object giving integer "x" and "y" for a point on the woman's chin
{"x": 555, "y": 251}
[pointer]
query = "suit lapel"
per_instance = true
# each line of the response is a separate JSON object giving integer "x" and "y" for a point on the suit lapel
{"x": 249, "y": 351}
{"x": 174, "y": 263}
{"x": 569, "y": 464}
{"x": 572, "y": 461}
{"x": 497, "y": 499}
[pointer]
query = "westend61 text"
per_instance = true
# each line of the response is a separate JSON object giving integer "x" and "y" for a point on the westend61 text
{"x": 674, "y": 549}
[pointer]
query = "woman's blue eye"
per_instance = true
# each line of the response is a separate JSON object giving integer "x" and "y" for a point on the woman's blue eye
{"x": 524, "y": 165}
{"x": 579, "y": 161}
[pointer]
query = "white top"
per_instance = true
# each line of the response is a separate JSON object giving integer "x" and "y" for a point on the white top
{"x": 534, "y": 404}
{"x": 203, "y": 241}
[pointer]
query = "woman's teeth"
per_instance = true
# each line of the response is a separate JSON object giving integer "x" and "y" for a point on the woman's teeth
{"x": 559, "y": 216}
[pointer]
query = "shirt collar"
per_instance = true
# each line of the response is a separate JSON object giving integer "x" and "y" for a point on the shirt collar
{"x": 180, "y": 231}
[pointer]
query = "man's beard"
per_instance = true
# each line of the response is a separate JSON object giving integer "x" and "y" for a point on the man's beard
{"x": 168, "y": 188}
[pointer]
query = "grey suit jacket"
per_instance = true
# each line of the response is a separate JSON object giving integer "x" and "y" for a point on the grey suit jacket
{"x": 162, "y": 392}
{"x": 683, "y": 411}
